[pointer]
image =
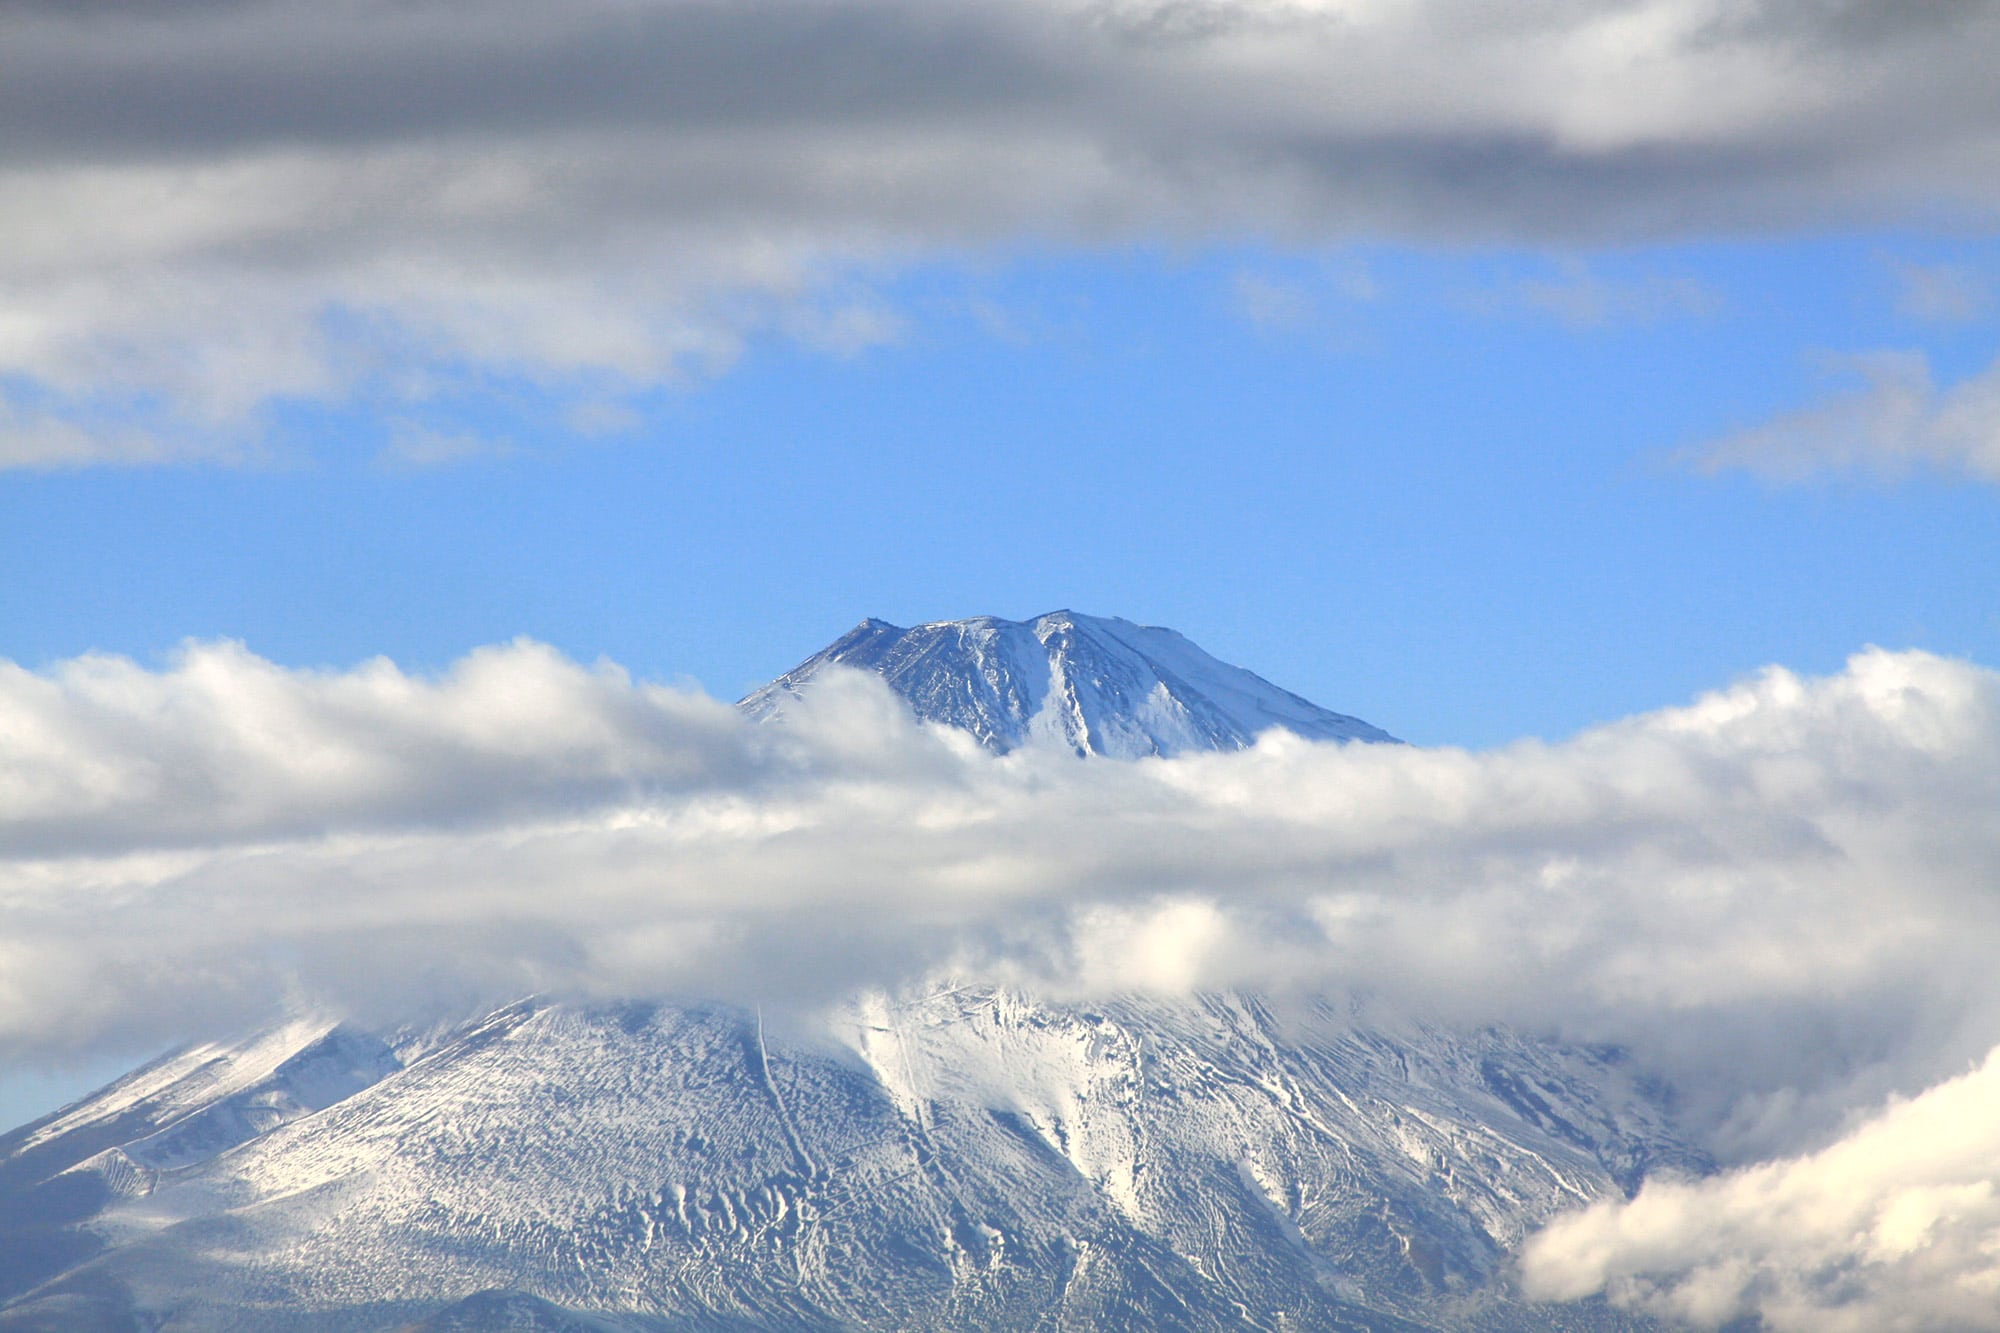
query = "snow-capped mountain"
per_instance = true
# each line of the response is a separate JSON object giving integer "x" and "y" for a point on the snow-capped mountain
{"x": 1095, "y": 685}
{"x": 955, "y": 1157}
{"x": 959, "y": 1159}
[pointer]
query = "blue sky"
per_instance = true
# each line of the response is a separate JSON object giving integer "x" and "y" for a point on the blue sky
{"x": 1483, "y": 371}
{"x": 1447, "y": 489}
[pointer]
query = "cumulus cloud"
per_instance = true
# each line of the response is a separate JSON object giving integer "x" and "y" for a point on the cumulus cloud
{"x": 103, "y": 754}
{"x": 215, "y": 207}
{"x": 1896, "y": 420}
{"x": 1779, "y": 897}
{"x": 1895, "y": 1227}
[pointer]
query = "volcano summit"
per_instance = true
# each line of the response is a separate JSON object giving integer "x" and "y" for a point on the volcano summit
{"x": 1098, "y": 685}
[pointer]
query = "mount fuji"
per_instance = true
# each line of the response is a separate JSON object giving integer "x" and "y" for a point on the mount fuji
{"x": 1096, "y": 685}
{"x": 954, "y": 1156}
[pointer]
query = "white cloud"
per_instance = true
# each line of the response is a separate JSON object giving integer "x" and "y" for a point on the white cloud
{"x": 225, "y": 747}
{"x": 621, "y": 194}
{"x": 1897, "y": 420}
{"x": 1895, "y": 1227}
{"x": 1778, "y": 897}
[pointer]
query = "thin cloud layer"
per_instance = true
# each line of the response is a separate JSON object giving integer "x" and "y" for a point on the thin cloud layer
{"x": 1779, "y": 898}
{"x": 218, "y": 207}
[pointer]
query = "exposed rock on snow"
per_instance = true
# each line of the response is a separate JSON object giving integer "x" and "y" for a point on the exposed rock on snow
{"x": 1093, "y": 684}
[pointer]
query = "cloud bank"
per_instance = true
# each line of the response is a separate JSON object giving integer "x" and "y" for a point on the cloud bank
{"x": 1782, "y": 857}
{"x": 1779, "y": 897}
{"x": 219, "y": 207}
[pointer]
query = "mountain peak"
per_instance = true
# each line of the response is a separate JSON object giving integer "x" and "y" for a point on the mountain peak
{"x": 1092, "y": 684}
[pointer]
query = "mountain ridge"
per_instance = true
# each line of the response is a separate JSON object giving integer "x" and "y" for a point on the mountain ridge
{"x": 1096, "y": 685}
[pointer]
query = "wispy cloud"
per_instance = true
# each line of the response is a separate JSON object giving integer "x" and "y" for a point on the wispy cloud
{"x": 1581, "y": 297}
{"x": 1942, "y": 293}
{"x": 46, "y": 439}
{"x": 1269, "y": 303}
{"x": 200, "y": 219}
{"x": 1896, "y": 419}
{"x": 1311, "y": 298}
{"x": 417, "y": 446}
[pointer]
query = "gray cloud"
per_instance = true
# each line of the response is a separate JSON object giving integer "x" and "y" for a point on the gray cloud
{"x": 212, "y": 207}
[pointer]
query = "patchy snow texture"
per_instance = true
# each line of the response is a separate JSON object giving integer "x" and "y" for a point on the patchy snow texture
{"x": 1096, "y": 685}
{"x": 958, "y": 1158}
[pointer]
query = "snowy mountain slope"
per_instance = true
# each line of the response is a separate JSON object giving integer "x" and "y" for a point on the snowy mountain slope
{"x": 966, "y": 1159}
{"x": 175, "y": 1112}
{"x": 514, "y": 1311}
{"x": 957, "y": 1158}
{"x": 1090, "y": 684}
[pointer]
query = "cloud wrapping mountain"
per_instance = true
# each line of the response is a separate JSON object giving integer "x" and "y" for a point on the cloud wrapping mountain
{"x": 1779, "y": 896}
{"x": 216, "y": 208}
